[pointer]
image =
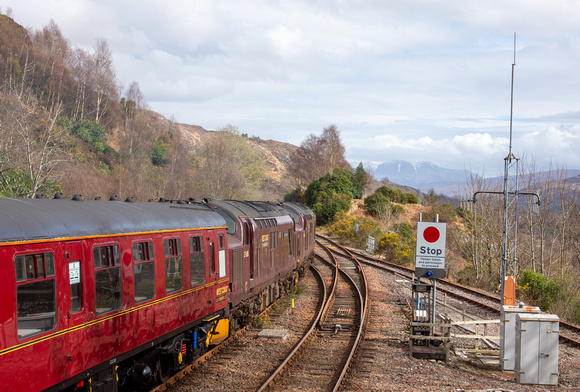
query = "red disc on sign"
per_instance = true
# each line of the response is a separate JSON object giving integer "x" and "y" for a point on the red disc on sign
{"x": 431, "y": 234}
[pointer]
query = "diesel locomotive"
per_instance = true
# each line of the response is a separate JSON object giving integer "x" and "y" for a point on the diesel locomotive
{"x": 117, "y": 295}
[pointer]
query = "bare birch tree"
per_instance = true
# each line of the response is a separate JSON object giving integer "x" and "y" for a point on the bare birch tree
{"x": 38, "y": 144}
{"x": 104, "y": 77}
{"x": 317, "y": 156}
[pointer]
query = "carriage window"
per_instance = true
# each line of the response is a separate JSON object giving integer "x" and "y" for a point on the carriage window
{"x": 197, "y": 260}
{"x": 107, "y": 256}
{"x": 173, "y": 259}
{"x": 144, "y": 270}
{"x": 35, "y": 293}
{"x": 76, "y": 286}
{"x": 107, "y": 278}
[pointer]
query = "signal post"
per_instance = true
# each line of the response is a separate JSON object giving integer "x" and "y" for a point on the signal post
{"x": 429, "y": 263}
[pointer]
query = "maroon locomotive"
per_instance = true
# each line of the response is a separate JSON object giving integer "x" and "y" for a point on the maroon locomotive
{"x": 109, "y": 295}
{"x": 268, "y": 244}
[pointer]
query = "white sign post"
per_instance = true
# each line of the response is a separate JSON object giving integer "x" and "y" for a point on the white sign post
{"x": 430, "y": 254}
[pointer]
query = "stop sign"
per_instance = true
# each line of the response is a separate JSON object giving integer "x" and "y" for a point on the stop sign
{"x": 430, "y": 255}
{"x": 431, "y": 239}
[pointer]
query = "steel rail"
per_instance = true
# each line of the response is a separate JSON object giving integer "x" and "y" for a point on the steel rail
{"x": 378, "y": 263}
{"x": 305, "y": 338}
{"x": 208, "y": 355}
{"x": 362, "y": 321}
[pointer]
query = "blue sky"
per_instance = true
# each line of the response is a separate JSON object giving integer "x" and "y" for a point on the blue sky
{"x": 411, "y": 80}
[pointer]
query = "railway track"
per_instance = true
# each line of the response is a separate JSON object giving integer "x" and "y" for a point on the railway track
{"x": 569, "y": 333}
{"x": 210, "y": 372}
{"x": 323, "y": 358}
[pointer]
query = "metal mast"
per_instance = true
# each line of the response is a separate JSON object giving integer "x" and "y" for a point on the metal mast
{"x": 510, "y": 187}
{"x": 510, "y": 210}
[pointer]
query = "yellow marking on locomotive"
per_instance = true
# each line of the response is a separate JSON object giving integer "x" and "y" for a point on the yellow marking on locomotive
{"x": 221, "y": 290}
{"x": 246, "y": 253}
{"x": 220, "y": 299}
{"x": 265, "y": 237}
{"x": 219, "y": 332}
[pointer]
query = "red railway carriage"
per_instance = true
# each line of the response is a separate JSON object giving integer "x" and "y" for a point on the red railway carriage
{"x": 261, "y": 238}
{"x": 305, "y": 230}
{"x": 103, "y": 295}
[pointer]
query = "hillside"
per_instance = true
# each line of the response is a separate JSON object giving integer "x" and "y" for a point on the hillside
{"x": 274, "y": 153}
{"x": 455, "y": 262}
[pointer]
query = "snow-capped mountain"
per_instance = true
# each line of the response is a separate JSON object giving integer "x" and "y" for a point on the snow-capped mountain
{"x": 422, "y": 176}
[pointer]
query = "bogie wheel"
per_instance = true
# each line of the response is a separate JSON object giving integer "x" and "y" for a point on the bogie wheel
{"x": 163, "y": 370}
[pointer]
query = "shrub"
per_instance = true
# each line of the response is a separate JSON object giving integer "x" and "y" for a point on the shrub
{"x": 445, "y": 211}
{"x": 404, "y": 229}
{"x": 385, "y": 191}
{"x": 159, "y": 154}
{"x": 396, "y": 249}
{"x": 397, "y": 210}
{"x": 353, "y": 230}
{"x": 332, "y": 193}
{"x": 90, "y": 132}
{"x": 543, "y": 292}
{"x": 412, "y": 198}
{"x": 376, "y": 203}
{"x": 397, "y": 195}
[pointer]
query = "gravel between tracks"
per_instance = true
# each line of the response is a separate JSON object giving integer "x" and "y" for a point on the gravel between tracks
{"x": 388, "y": 368}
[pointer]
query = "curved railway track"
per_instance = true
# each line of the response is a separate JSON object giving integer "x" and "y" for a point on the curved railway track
{"x": 490, "y": 302}
{"x": 235, "y": 349}
{"x": 323, "y": 342}
{"x": 322, "y": 359}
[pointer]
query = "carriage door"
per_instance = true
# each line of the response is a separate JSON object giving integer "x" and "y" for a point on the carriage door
{"x": 75, "y": 303}
{"x": 248, "y": 244}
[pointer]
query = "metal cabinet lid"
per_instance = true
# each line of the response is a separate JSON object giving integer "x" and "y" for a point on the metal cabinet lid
{"x": 537, "y": 317}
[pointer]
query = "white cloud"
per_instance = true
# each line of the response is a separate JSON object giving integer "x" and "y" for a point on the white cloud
{"x": 287, "y": 43}
{"x": 416, "y": 80}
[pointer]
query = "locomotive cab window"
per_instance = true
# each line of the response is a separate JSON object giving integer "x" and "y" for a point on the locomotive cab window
{"x": 197, "y": 260}
{"x": 144, "y": 270}
{"x": 35, "y": 293}
{"x": 107, "y": 278}
{"x": 173, "y": 260}
{"x": 230, "y": 222}
{"x": 222, "y": 255}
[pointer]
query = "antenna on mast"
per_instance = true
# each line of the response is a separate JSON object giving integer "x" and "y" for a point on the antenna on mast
{"x": 510, "y": 156}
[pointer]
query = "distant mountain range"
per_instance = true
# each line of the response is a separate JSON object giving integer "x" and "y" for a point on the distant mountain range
{"x": 425, "y": 175}
{"x": 422, "y": 176}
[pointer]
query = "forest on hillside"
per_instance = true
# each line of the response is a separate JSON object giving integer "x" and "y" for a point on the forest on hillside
{"x": 68, "y": 125}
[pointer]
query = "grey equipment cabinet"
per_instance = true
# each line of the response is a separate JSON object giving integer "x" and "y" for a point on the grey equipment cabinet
{"x": 537, "y": 349}
{"x": 507, "y": 349}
